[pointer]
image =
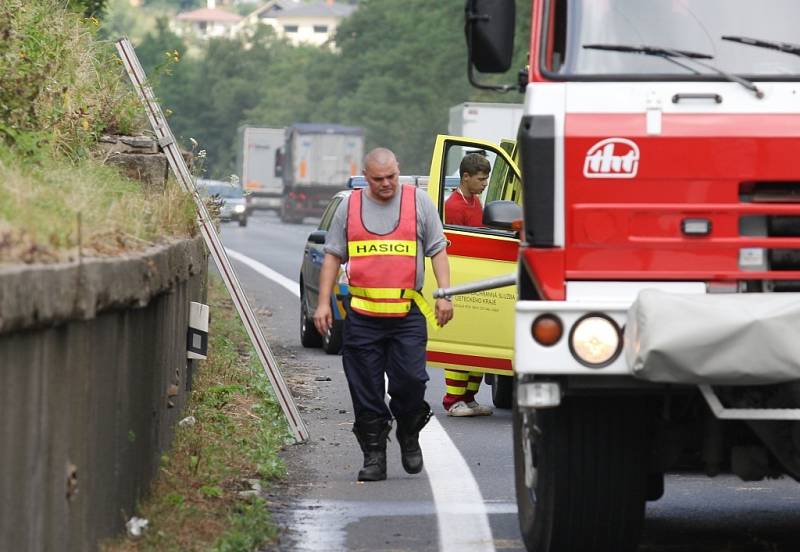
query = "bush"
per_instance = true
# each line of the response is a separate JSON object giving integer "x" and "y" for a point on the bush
{"x": 60, "y": 88}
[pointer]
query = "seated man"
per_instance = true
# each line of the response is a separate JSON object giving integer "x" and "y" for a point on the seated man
{"x": 464, "y": 208}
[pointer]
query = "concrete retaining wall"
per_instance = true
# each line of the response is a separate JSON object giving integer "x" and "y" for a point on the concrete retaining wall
{"x": 93, "y": 377}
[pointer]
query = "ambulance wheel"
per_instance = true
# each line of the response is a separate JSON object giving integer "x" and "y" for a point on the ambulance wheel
{"x": 309, "y": 337}
{"x": 502, "y": 391}
{"x": 585, "y": 488}
{"x": 332, "y": 340}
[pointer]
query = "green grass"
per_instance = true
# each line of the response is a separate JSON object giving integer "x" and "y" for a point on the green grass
{"x": 61, "y": 89}
{"x": 56, "y": 210}
{"x": 194, "y": 504}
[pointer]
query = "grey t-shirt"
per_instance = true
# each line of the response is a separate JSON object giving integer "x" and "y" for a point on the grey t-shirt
{"x": 381, "y": 218}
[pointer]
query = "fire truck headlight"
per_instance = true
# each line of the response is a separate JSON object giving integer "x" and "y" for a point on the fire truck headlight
{"x": 595, "y": 340}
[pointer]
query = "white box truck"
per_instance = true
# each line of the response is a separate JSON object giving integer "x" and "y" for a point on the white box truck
{"x": 485, "y": 121}
{"x": 257, "y": 163}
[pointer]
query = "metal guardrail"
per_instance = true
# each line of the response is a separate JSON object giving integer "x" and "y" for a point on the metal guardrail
{"x": 178, "y": 165}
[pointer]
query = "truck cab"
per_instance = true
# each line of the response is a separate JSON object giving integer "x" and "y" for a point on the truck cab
{"x": 658, "y": 257}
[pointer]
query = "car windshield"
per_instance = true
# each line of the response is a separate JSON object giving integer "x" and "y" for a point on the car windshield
{"x": 228, "y": 192}
{"x": 688, "y": 25}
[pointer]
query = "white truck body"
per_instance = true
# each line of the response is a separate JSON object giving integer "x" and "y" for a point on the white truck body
{"x": 318, "y": 160}
{"x": 492, "y": 122}
{"x": 324, "y": 157}
{"x": 259, "y": 148}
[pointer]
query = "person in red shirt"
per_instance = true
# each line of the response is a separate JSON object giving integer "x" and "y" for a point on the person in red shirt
{"x": 464, "y": 208}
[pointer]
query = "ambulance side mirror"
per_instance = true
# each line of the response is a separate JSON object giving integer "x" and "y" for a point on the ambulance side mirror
{"x": 502, "y": 215}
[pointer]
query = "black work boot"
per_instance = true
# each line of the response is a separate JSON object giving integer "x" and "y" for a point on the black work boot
{"x": 372, "y": 433}
{"x": 408, "y": 428}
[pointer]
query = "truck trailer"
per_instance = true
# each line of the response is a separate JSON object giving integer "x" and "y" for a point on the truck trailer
{"x": 258, "y": 149}
{"x": 658, "y": 269}
{"x": 315, "y": 162}
{"x": 492, "y": 122}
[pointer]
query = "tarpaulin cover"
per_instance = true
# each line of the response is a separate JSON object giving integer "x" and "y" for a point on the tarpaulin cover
{"x": 723, "y": 339}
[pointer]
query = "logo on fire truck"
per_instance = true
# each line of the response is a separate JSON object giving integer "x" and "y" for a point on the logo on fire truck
{"x": 612, "y": 158}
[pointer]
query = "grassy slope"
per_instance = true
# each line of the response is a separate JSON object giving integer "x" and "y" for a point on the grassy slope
{"x": 61, "y": 90}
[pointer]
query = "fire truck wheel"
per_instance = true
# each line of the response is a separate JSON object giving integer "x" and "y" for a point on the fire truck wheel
{"x": 586, "y": 487}
{"x": 502, "y": 391}
{"x": 309, "y": 337}
{"x": 332, "y": 341}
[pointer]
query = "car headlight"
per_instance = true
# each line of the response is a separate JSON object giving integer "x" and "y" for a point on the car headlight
{"x": 239, "y": 208}
{"x": 595, "y": 340}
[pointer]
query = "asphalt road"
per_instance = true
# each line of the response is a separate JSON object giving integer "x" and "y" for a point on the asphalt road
{"x": 464, "y": 500}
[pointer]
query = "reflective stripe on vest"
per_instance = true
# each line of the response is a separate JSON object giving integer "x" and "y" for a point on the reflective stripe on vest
{"x": 363, "y": 299}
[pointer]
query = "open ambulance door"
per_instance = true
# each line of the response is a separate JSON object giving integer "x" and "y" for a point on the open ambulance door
{"x": 481, "y": 335}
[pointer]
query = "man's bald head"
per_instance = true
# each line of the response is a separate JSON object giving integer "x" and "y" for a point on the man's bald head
{"x": 382, "y": 173}
{"x": 379, "y": 156}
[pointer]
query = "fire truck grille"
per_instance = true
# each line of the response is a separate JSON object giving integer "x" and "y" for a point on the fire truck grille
{"x": 774, "y": 225}
{"x": 770, "y": 192}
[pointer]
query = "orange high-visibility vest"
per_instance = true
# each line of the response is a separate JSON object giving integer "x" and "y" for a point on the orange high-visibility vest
{"x": 382, "y": 269}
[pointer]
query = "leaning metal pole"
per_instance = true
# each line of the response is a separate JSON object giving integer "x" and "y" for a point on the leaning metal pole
{"x": 178, "y": 165}
{"x": 477, "y": 285}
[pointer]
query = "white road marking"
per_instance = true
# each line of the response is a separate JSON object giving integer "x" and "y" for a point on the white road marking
{"x": 321, "y": 525}
{"x": 292, "y": 286}
{"x": 460, "y": 509}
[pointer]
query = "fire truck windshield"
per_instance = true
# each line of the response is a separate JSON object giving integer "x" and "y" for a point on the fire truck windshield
{"x": 685, "y": 25}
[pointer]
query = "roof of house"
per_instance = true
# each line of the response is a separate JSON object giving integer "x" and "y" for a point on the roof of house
{"x": 210, "y": 15}
{"x": 317, "y": 9}
{"x": 273, "y": 7}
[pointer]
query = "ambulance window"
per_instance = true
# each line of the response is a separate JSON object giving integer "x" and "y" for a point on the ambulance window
{"x": 461, "y": 200}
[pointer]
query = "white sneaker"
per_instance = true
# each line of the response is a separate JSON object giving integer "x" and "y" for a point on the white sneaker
{"x": 461, "y": 409}
{"x": 480, "y": 409}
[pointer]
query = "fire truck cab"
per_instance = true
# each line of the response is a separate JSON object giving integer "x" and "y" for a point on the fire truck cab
{"x": 656, "y": 325}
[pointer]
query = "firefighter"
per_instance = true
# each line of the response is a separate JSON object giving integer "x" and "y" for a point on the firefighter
{"x": 464, "y": 208}
{"x": 383, "y": 232}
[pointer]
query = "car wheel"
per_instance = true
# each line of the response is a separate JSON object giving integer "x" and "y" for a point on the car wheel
{"x": 309, "y": 337}
{"x": 580, "y": 472}
{"x": 502, "y": 391}
{"x": 243, "y": 221}
{"x": 332, "y": 340}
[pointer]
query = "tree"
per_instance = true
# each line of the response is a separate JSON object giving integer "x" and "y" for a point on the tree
{"x": 397, "y": 69}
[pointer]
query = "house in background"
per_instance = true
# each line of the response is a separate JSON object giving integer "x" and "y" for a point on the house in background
{"x": 208, "y": 22}
{"x": 300, "y": 22}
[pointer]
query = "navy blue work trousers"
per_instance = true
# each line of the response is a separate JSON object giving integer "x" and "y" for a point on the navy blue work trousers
{"x": 375, "y": 345}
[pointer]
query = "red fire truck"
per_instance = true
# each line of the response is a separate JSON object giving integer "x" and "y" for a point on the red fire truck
{"x": 658, "y": 315}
